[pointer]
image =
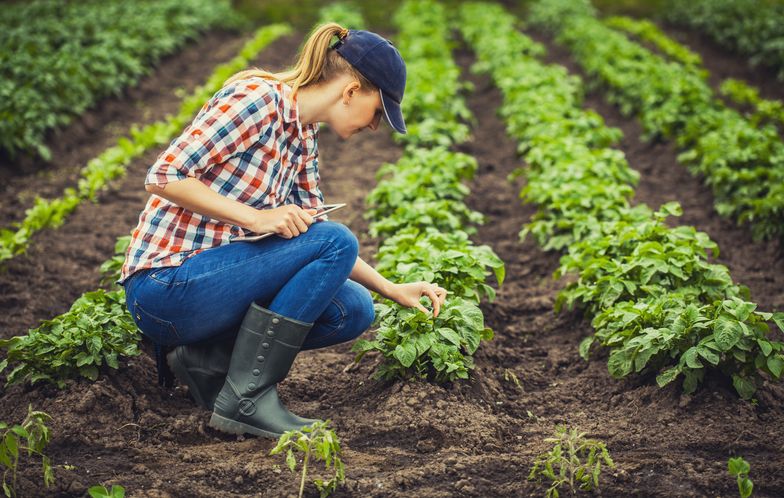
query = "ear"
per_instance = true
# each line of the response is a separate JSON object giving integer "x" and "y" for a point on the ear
{"x": 350, "y": 90}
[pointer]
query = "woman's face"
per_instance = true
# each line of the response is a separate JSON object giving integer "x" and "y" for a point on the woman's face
{"x": 357, "y": 109}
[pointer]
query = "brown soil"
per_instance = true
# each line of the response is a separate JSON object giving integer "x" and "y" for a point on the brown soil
{"x": 474, "y": 438}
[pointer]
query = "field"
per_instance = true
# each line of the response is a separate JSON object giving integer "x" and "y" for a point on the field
{"x": 475, "y": 437}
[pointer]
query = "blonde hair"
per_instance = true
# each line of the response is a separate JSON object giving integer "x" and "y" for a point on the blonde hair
{"x": 316, "y": 62}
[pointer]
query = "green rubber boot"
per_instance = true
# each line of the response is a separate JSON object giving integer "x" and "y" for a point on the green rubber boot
{"x": 203, "y": 368}
{"x": 248, "y": 403}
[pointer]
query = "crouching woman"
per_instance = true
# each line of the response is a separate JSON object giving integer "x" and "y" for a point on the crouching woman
{"x": 229, "y": 318}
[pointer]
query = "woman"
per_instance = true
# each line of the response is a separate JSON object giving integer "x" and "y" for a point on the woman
{"x": 236, "y": 314}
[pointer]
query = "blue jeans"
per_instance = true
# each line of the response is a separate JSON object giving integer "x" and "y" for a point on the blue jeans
{"x": 304, "y": 278}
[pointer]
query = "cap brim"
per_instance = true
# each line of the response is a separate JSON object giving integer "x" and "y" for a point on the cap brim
{"x": 392, "y": 113}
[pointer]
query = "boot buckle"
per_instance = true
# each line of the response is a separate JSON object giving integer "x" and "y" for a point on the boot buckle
{"x": 247, "y": 407}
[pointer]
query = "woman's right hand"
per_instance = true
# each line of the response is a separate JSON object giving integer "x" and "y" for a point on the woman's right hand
{"x": 287, "y": 221}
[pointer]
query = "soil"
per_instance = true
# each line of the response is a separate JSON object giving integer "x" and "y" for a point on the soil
{"x": 475, "y": 438}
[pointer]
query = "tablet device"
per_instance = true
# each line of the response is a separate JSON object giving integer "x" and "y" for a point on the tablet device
{"x": 326, "y": 209}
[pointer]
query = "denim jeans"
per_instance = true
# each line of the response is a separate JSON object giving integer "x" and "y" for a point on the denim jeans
{"x": 304, "y": 278}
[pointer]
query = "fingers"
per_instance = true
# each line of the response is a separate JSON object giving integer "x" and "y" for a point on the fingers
{"x": 431, "y": 294}
{"x": 294, "y": 221}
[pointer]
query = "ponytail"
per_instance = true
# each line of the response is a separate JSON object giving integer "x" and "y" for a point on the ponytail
{"x": 317, "y": 62}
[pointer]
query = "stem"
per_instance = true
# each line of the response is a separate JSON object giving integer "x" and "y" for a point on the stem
{"x": 304, "y": 472}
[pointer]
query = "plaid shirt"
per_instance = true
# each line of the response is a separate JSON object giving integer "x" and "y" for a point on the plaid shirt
{"x": 247, "y": 144}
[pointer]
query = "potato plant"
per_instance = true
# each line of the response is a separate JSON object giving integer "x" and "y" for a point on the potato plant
{"x": 111, "y": 163}
{"x": 83, "y": 52}
{"x": 739, "y": 468}
{"x": 418, "y": 208}
{"x": 741, "y": 160}
{"x": 31, "y": 436}
{"x": 317, "y": 442}
{"x": 574, "y": 462}
{"x": 657, "y": 302}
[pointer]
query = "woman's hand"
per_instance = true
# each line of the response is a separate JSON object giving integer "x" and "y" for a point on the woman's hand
{"x": 408, "y": 295}
{"x": 287, "y": 221}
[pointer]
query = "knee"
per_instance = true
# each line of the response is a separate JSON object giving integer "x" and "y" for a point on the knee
{"x": 340, "y": 237}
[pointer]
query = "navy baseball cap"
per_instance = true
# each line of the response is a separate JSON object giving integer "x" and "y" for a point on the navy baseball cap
{"x": 380, "y": 62}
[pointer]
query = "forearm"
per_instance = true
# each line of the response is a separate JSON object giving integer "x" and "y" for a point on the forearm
{"x": 367, "y": 276}
{"x": 193, "y": 195}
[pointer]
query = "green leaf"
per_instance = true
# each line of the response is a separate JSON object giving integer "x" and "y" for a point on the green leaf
{"x": 667, "y": 376}
{"x": 405, "y": 353}
{"x": 778, "y": 319}
{"x": 775, "y": 365}
{"x": 745, "y": 387}
{"x": 727, "y": 331}
{"x": 450, "y": 335}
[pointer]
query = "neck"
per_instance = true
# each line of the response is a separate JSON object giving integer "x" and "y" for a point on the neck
{"x": 313, "y": 101}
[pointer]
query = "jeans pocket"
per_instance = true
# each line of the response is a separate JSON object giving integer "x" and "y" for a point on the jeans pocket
{"x": 166, "y": 275}
{"x": 160, "y": 331}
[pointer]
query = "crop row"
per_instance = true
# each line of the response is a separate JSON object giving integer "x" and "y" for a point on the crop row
{"x": 418, "y": 210}
{"x": 111, "y": 163}
{"x": 655, "y": 300}
{"x": 60, "y": 58}
{"x": 742, "y": 94}
{"x": 742, "y": 163}
{"x": 98, "y": 329}
{"x": 749, "y": 27}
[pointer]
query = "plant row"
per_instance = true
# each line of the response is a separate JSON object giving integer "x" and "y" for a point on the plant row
{"x": 762, "y": 110}
{"x": 655, "y": 300}
{"x": 749, "y": 27}
{"x": 98, "y": 329}
{"x": 418, "y": 210}
{"x": 60, "y": 58}
{"x": 111, "y": 163}
{"x": 743, "y": 164}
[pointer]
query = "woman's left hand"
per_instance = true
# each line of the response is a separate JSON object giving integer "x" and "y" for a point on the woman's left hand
{"x": 408, "y": 295}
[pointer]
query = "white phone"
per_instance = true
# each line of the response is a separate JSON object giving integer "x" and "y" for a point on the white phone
{"x": 327, "y": 208}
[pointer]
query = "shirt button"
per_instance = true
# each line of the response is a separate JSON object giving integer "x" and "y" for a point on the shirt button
{"x": 256, "y": 371}
{"x": 275, "y": 320}
{"x": 265, "y": 345}
{"x": 138, "y": 316}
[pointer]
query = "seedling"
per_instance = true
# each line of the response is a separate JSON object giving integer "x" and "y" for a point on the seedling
{"x": 34, "y": 431}
{"x": 101, "y": 492}
{"x": 318, "y": 441}
{"x": 574, "y": 460}
{"x": 739, "y": 468}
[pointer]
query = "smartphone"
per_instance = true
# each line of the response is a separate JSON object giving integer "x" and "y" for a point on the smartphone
{"x": 326, "y": 209}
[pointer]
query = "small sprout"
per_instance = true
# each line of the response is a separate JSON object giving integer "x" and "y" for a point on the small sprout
{"x": 509, "y": 375}
{"x": 574, "y": 460}
{"x": 36, "y": 433}
{"x": 319, "y": 441}
{"x": 101, "y": 492}
{"x": 739, "y": 468}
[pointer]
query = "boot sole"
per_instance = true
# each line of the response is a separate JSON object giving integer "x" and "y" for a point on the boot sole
{"x": 181, "y": 373}
{"x": 230, "y": 426}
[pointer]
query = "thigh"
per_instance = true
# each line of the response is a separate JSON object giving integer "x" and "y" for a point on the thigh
{"x": 211, "y": 291}
{"x": 348, "y": 315}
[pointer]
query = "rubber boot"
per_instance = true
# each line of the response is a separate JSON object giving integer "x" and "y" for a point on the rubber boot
{"x": 248, "y": 403}
{"x": 203, "y": 368}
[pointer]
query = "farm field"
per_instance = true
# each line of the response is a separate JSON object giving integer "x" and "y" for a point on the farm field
{"x": 476, "y": 437}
